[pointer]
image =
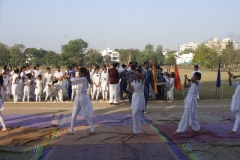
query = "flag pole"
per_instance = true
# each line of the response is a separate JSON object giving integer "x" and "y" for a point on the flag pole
{"x": 216, "y": 93}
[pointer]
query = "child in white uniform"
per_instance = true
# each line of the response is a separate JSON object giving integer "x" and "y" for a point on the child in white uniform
{"x": 26, "y": 90}
{"x": 189, "y": 118}
{"x": 38, "y": 88}
{"x": 138, "y": 101}
{"x": 235, "y": 104}
{"x": 96, "y": 84}
{"x": 21, "y": 82}
{"x": 5, "y": 88}
{"x": 15, "y": 83}
{"x": 58, "y": 75}
{"x": 82, "y": 102}
{"x": 104, "y": 83}
{"x": 1, "y": 108}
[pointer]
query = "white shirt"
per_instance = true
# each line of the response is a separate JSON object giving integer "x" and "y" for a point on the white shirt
{"x": 14, "y": 79}
{"x": 194, "y": 88}
{"x": 36, "y": 73}
{"x": 96, "y": 78}
{"x": 195, "y": 71}
{"x": 59, "y": 83}
{"x": 47, "y": 78}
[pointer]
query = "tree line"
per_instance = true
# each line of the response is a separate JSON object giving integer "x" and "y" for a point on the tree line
{"x": 77, "y": 52}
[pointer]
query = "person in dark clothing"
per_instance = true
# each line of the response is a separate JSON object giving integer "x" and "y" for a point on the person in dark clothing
{"x": 160, "y": 88}
{"x": 123, "y": 84}
{"x": 148, "y": 77}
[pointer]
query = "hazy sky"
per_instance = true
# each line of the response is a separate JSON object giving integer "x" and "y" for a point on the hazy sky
{"x": 125, "y": 24}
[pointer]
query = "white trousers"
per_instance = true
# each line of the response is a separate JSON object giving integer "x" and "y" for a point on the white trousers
{"x": 15, "y": 97}
{"x": 237, "y": 122}
{"x": 189, "y": 119}
{"x": 48, "y": 94}
{"x": 38, "y": 97}
{"x": 170, "y": 93}
{"x": 75, "y": 112}
{"x": 58, "y": 94}
{"x": 114, "y": 93}
{"x": 76, "y": 91}
{"x": 104, "y": 94}
{"x": 2, "y": 120}
{"x": 26, "y": 95}
{"x": 136, "y": 116}
{"x": 95, "y": 91}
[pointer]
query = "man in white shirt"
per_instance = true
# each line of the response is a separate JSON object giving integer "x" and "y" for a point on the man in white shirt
{"x": 58, "y": 75}
{"x": 196, "y": 70}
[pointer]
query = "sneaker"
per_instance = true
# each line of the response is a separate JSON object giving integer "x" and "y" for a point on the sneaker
{"x": 145, "y": 112}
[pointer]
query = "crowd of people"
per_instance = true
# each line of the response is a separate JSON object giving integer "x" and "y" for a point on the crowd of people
{"x": 136, "y": 81}
{"x": 110, "y": 81}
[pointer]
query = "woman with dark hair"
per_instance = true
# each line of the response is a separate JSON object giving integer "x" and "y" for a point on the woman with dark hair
{"x": 82, "y": 101}
{"x": 138, "y": 101}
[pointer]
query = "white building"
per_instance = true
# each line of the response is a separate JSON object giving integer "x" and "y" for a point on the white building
{"x": 191, "y": 45}
{"x": 113, "y": 54}
{"x": 185, "y": 58}
{"x": 220, "y": 45}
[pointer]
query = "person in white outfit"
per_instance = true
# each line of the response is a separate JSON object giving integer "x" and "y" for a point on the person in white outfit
{"x": 58, "y": 75}
{"x": 21, "y": 82}
{"x": 32, "y": 85}
{"x": 48, "y": 90}
{"x": 74, "y": 86}
{"x": 82, "y": 102}
{"x": 1, "y": 108}
{"x": 235, "y": 104}
{"x": 138, "y": 100}
{"x": 189, "y": 118}
{"x": 104, "y": 83}
{"x": 48, "y": 77}
{"x": 38, "y": 88}
{"x": 26, "y": 90}
{"x": 15, "y": 85}
{"x": 5, "y": 87}
{"x": 11, "y": 72}
{"x": 196, "y": 69}
{"x": 170, "y": 92}
{"x": 96, "y": 84}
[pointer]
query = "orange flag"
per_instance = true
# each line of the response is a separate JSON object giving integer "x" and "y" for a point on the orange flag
{"x": 177, "y": 81}
{"x": 154, "y": 73}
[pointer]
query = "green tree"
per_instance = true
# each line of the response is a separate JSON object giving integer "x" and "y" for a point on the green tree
{"x": 4, "y": 54}
{"x": 187, "y": 51}
{"x": 230, "y": 56}
{"x": 15, "y": 55}
{"x": 73, "y": 52}
{"x": 170, "y": 58}
{"x": 30, "y": 54}
{"x": 93, "y": 57}
{"x": 106, "y": 59}
{"x": 159, "y": 55}
{"x": 206, "y": 56}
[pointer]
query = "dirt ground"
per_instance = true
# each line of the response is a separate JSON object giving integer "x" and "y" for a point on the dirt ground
{"x": 106, "y": 108}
